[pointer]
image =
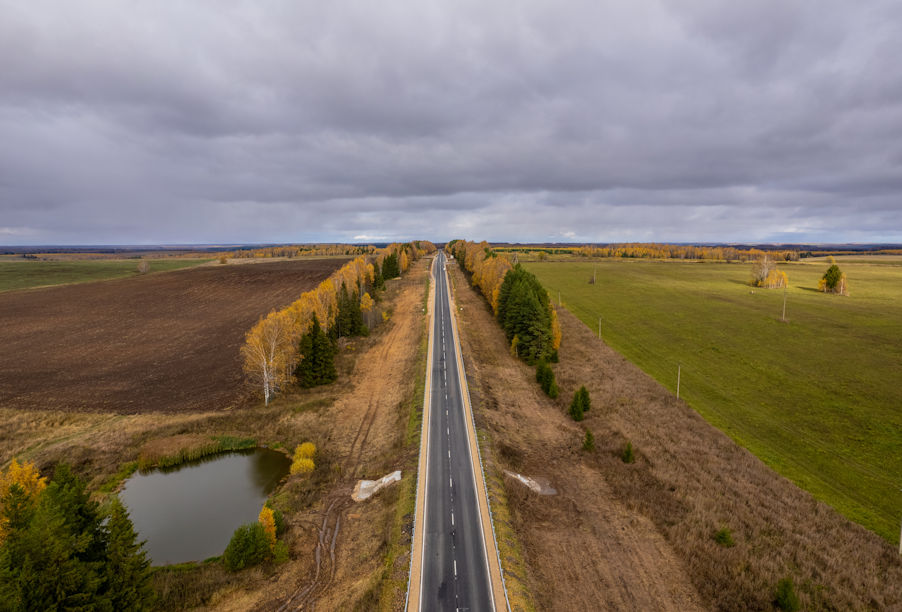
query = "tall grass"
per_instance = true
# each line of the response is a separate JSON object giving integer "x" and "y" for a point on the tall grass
{"x": 161, "y": 454}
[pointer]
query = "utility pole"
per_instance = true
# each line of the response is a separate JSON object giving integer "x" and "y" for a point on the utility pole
{"x": 679, "y": 372}
{"x": 784, "y": 304}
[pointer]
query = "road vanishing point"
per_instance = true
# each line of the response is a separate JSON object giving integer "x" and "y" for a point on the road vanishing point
{"x": 458, "y": 558}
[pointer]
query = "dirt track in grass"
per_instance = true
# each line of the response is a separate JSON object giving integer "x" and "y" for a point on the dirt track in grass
{"x": 164, "y": 342}
{"x": 365, "y": 431}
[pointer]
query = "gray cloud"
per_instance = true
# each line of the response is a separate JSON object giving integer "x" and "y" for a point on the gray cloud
{"x": 235, "y": 121}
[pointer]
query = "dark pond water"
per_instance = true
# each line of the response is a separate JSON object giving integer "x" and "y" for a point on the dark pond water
{"x": 188, "y": 512}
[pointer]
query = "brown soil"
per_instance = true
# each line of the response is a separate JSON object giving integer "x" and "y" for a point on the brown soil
{"x": 166, "y": 342}
{"x": 585, "y": 550}
{"x": 365, "y": 431}
{"x": 641, "y": 536}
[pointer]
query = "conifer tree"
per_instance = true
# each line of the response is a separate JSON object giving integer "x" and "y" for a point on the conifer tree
{"x": 48, "y": 573}
{"x": 129, "y": 579}
{"x": 356, "y": 315}
{"x": 345, "y": 323}
{"x": 69, "y": 494}
{"x": 317, "y": 367}
{"x": 378, "y": 281}
{"x": 584, "y": 399}
{"x": 524, "y": 310}
{"x": 576, "y": 407}
{"x": 545, "y": 378}
{"x": 589, "y": 441}
{"x": 390, "y": 267}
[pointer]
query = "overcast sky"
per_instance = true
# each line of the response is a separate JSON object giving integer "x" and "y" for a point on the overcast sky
{"x": 192, "y": 121}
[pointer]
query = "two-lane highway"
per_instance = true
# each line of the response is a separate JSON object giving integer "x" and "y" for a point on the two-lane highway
{"x": 455, "y": 569}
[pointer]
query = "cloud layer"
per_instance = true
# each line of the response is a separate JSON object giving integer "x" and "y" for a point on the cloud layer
{"x": 160, "y": 121}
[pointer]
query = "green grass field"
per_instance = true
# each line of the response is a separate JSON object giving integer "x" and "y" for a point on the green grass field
{"x": 818, "y": 399}
{"x": 29, "y": 274}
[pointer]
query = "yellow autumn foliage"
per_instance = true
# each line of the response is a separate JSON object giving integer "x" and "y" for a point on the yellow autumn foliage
{"x": 24, "y": 475}
{"x": 307, "y": 450}
{"x": 302, "y": 466}
{"x": 268, "y": 521}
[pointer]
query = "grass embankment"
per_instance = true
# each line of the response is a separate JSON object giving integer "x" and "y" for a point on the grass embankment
{"x": 816, "y": 399}
{"x": 169, "y": 452}
{"x": 388, "y": 589}
{"x": 31, "y": 274}
{"x": 513, "y": 560}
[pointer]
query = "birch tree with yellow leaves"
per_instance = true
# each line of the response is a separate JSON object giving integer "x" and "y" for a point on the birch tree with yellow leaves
{"x": 267, "y": 353}
{"x": 26, "y": 476}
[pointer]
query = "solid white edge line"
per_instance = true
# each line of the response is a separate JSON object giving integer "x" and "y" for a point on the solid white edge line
{"x": 425, "y": 441}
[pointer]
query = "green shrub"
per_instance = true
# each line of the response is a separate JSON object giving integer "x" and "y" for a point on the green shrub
{"x": 724, "y": 537}
{"x": 787, "y": 599}
{"x": 280, "y": 522}
{"x": 541, "y": 373}
{"x": 545, "y": 378}
{"x": 280, "y": 552}
{"x": 589, "y": 442}
{"x": 576, "y": 407}
{"x": 628, "y": 455}
{"x": 580, "y": 404}
{"x": 248, "y": 547}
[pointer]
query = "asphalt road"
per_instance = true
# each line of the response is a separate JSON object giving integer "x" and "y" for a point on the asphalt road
{"x": 455, "y": 574}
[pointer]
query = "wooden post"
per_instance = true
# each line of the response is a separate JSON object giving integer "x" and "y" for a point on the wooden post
{"x": 679, "y": 371}
{"x": 784, "y": 304}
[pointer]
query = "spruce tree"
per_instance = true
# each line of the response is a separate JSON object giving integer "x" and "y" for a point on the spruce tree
{"x": 390, "y": 267}
{"x": 356, "y": 315}
{"x": 378, "y": 281}
{"x": 576, "y": 407}
{"x": 128, "y": 574}
{"x": 324, "y": 355}
{"x": 589, "y": 441}
{"x": 317, "y": 366}
{"x": 345, "y": 322}
{"x": 50, "y": 575}
{"x": 584, "y": 398}
{"x": 832, "y": 277}
{"x": 69, "y": 494}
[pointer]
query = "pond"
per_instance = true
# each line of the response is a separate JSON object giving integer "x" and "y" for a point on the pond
{"x": 189, "y": 512}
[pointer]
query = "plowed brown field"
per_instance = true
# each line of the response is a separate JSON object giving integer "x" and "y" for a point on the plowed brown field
{"x": 166, "y": 342}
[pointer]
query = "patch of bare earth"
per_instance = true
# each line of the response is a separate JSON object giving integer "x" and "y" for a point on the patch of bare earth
{"x": 641, "y": 536}
{"x": 162, "y": 343}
